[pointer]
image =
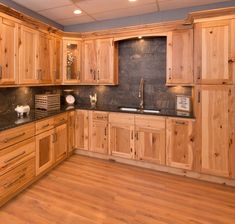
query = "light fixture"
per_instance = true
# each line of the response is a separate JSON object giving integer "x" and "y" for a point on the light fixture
{"x": 140, "y": 37}
{"x": 132, "y": 0}
{"x": 77, "y": 11}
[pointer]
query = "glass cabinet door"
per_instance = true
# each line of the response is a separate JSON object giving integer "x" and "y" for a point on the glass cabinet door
{"x": 72, "y": 61}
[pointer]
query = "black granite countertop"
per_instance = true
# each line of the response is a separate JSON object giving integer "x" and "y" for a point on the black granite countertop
{"x": 10, "y": 120}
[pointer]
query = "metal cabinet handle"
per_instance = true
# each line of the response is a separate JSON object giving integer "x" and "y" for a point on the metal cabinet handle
{"x": 0, "y": 72}
{"x": 105, "y": 131}
{"x": 78, "y": 76}
{"x": 132, "y": 135}
{"x": 7, "y": 185}
{"x": 94, "y": 74}
{"x": 15, "y": 157}
{"x": 98, "y": 74}
{"x": 137, "y": 136}
{"x": 6, "y": 140}
{"x": 180, "y": 122}
{"x": 199, "y": 97}
{"x": 45, "y": 126}
{"x": 170, "y": 73}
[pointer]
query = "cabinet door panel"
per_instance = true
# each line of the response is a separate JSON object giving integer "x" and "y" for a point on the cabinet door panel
{"x": 180, "y": 143}
{"x": 71, "y": 131}
{"x": 61, "y": 143}
{"x": 8, "y": 52}
{"x": 57, "y": 60}
{"x": 150, "y": 145}
{"x": 82, "y": 129}
{"x": 180, "y": 57}
{"x": 27, "y": 55}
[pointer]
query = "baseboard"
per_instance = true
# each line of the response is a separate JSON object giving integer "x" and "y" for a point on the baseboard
{"x": 171, "y": 170}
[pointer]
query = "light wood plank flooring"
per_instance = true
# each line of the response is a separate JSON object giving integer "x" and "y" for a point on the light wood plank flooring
{"x": 83, "y": 190}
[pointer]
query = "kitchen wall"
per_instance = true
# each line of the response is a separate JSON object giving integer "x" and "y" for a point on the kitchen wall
{"x": 137, "y": 58}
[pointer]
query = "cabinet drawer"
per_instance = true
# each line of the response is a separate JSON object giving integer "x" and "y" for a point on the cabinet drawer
{"x": 15, "y": 135}
{"x": 16, "y": 154}
{"x": 101, "y": 116}
{"x": 150, "y": 121}
{"x": 17, "y": 178}
{"x": 44, "y": 125}
{"x": 121, "y": 118}
{"x": 60, "y": 119}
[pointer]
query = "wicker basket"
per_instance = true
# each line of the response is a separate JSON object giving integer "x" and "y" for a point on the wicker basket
{"x": 47, "y": 101}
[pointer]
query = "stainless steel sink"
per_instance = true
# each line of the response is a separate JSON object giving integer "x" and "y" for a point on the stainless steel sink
{"x": 130, "y": 109}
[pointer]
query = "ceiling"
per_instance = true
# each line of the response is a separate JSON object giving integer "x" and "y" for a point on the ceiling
{"x": 61, "y": 11}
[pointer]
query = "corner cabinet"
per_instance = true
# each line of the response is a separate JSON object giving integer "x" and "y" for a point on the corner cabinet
{"x": 215, "y": 112}
{"x": 99, "y": 66}
{"x": 72, "y": 61}
{"x": 180, "y": 151}
{"x": 214, "y": 53}
{"x": 8, "y": 51}
{"x": 180, "y": 57}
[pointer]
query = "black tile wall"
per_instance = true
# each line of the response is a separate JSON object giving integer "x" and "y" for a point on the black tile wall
{"x": 137, "y": 58}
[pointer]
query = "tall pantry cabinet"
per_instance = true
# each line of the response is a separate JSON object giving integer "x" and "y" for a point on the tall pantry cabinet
{"x": 214, "y": 63}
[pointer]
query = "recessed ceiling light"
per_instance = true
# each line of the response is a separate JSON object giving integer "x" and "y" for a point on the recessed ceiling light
{"x": 132, "y": 0}
{"x": 77, "y": 11}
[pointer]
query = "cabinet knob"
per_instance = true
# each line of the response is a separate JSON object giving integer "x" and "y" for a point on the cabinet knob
{"x": 230, "y": 61}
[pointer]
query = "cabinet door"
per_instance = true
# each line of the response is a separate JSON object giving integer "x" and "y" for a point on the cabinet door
{"x": 8, "y": 51}
{"x": 27, "y": 56}
{"x": 81, "y": 129}
{"x": 179, "y": 150}
{"x": 215, "y": 111}
{"x": 44, "y": 59}
{"x": 71, "y": 61}
{"x": 180, "y": 57}
{"x": 90, "y": 62}
{"x": 57, "y": 60}
{"x": 121, "y": 140}
{"x": 105, "y": 61}
{"x": 71, "y": 131}
{"x": 60, "y": 142}
{"x": 44, "y": 151}
{"x": 214, "y": 52}
{"x": 98, "y": 137}
{"x": 150, "y": 144}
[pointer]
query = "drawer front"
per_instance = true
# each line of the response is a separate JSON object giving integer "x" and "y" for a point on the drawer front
{"x": 15, "y": 135}
{"x": 44, "y": 125}
{"x": 150, "y": 121}
{"x": 100, "y": 116}
{"x": 60, "y": 119}
{"x": 16, "y": 155}
{"x": 17, "y": 178}
{"x": 121, "y": 118}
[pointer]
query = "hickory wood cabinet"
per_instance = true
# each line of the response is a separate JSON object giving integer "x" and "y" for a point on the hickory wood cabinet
{"x": 99, "y": 57}
{"x": 8, "y": 51}
{"x": 71, "y": 131}
{"x": 180, "y": 57}
{"x": 215, "y": 127}
{"x": 56, "y": 59}
{"x": 214, "y": 52}
{"x": 180, "y": 152}
{"x": 150, "y": 138}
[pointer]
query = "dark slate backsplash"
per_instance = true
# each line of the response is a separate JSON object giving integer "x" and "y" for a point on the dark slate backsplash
{"x": 137, "y": 58}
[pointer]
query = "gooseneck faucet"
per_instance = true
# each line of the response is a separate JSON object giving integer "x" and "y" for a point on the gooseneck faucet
{"x": 141, "y": 93}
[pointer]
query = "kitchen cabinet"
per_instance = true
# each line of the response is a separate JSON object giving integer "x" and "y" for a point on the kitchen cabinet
{"x": 98, "y": 132}
{"x": 57, "y": 59}
{"x": 150, "y": 135}
{"x": 71, "y": 131}
{"x": 180, "y": 143}
{"x": 72, "y": 61}
{"x": 44, "y": 151}
{"x": 8, "y": 52}
{"x": 99, "y": 61}
{"x": 121, "y": 131}
{"x": 60, "y": 142}
{"x": 82, "y": 129}
{"x": 180, "y": 57}
{"x": 215, "y": 111}
{"x": 214, "y": 52}
{"x": 43, "y": 59}
{"x": 27, "y": 56}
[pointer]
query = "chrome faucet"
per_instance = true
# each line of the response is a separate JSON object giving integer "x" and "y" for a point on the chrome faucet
{"x": 141, "y": 93}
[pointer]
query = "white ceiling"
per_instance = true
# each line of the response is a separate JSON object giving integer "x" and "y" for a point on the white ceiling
{"x": 61, "y": 11}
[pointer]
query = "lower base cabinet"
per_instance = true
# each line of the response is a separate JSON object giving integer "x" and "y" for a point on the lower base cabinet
{"x": 150, "y": 139}
{"x": 180, "y": 143}
{"x": 71, "y": 131}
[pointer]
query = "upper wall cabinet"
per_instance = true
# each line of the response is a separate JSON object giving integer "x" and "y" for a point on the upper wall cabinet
{"x": 180, "y": 57}
{"x": 99, "y": 62}
{"x": 57, "y": 60}
{"x": 27, "y": 56}
{"x": 214, "y": 52}
{"x": 8, "y": 52}
{"x": 71, "y": 61}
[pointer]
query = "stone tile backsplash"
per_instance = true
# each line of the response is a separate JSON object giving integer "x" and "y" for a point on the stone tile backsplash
{"x": 137, "y": 58}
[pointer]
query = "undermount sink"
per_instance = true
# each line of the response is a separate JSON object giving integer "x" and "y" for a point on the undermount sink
{"x": 129, "y": 109}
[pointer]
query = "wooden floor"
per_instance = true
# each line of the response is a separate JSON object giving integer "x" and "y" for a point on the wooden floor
{"x": 83, "y": 190}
